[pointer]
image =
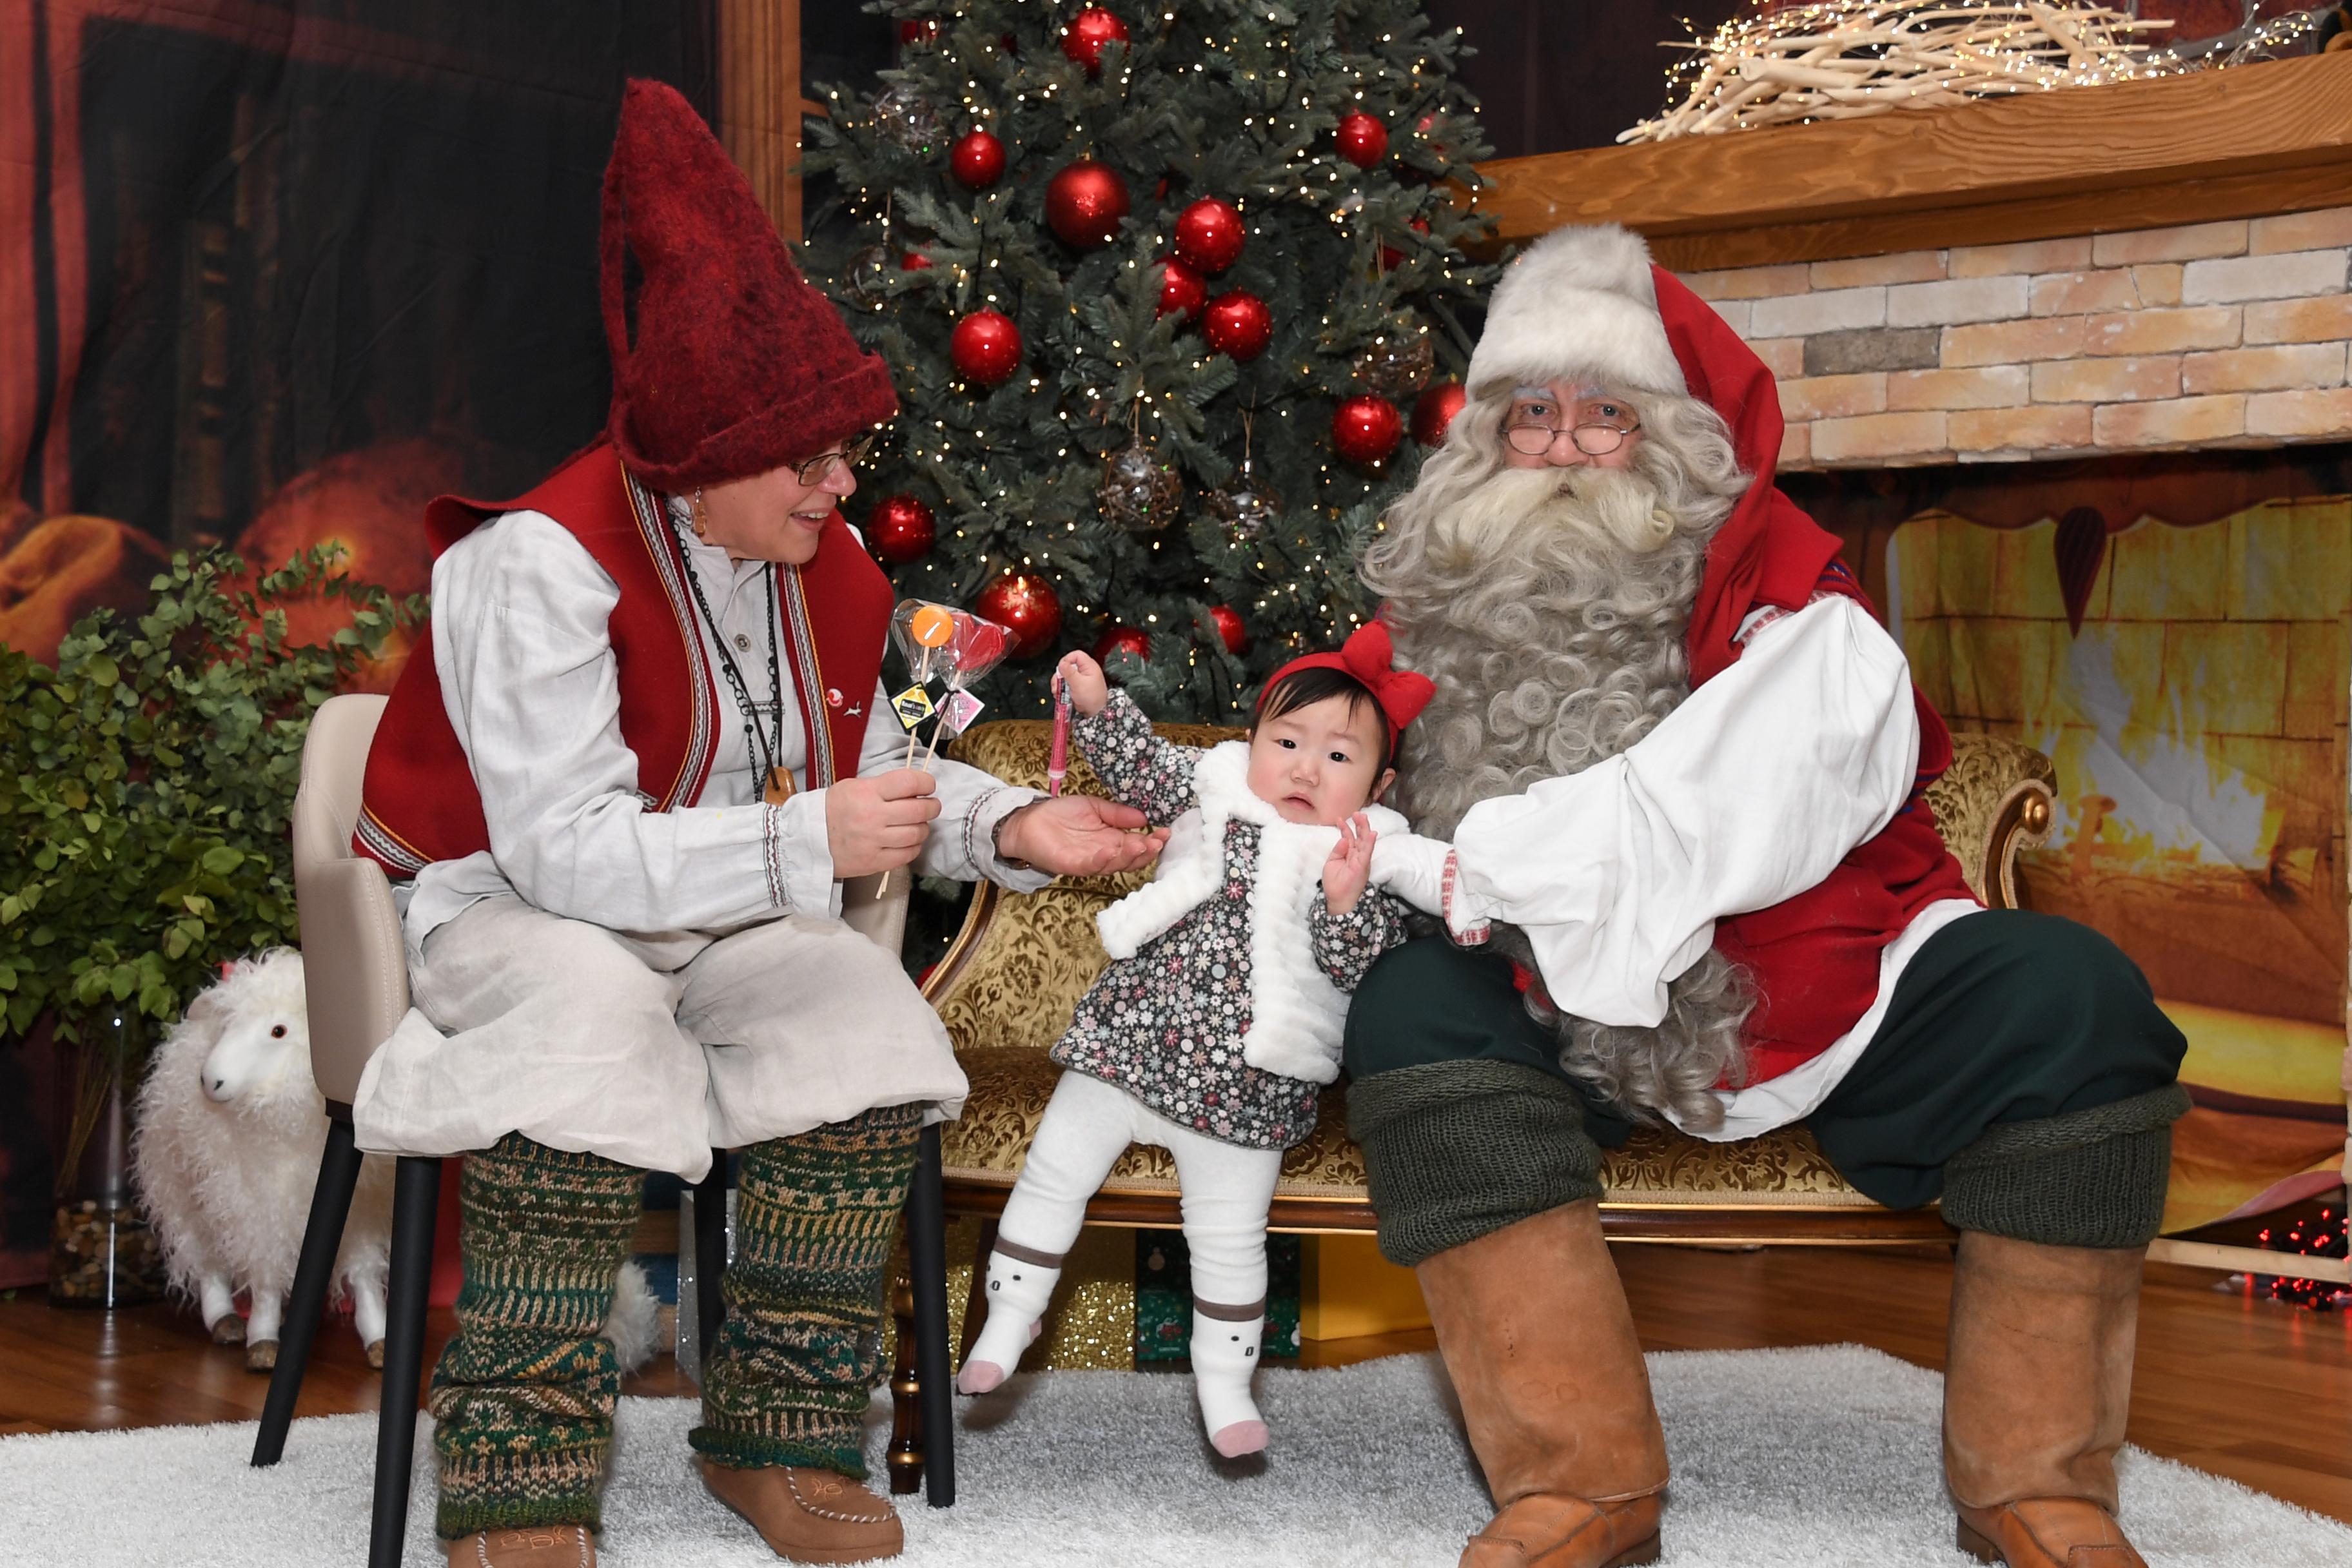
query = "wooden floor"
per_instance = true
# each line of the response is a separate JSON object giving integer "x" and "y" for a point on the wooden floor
{"x": 2246, "y": 1388}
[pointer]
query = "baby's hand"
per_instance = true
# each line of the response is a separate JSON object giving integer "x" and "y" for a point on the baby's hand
{"x": 1082, "y": 678}
{"x": 1350, "y": 865}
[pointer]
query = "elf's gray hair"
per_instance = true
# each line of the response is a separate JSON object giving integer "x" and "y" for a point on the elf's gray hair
{"x": 1549, "y": 605}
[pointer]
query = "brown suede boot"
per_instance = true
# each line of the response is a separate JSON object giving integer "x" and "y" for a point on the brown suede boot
{"x": 1537, "y": 1335}
{"x": 808, "y": 1515}
{"x": 537, "y": 1546}
{"x": 2037, "y": 1384}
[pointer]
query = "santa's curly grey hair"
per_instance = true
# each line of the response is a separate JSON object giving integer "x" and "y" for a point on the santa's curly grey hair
{"x": 1550, "y": 605}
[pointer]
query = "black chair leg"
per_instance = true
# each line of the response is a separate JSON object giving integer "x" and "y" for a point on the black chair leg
{"x": 330, "y": 1204}
{"x": 711, "y": 1252}
{"x": 416, "y": 1203}
{"x": 927, "y": 1269}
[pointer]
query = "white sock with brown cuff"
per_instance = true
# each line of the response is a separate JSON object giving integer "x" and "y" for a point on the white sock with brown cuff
{"x": 1224, "y": 1358}
{"x": 1021, "y": 1283}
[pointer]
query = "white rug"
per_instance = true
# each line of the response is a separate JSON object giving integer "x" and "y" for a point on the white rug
{"x": 1800, "y": 1458}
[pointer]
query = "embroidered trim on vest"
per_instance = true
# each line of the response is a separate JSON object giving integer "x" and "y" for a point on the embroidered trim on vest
{"x": 808, "y": 676}
{"x": 388, "y": 847}
{"x": 669, "y": 560}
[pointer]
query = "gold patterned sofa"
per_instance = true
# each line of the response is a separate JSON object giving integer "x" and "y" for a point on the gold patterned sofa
{"x": 1008, "y": 983}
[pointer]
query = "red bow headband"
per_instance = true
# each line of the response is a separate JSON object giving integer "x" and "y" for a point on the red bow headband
{"x": 1370, "y": 659}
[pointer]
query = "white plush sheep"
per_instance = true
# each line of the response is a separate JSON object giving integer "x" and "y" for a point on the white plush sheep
{"x": 230, "y": 1129}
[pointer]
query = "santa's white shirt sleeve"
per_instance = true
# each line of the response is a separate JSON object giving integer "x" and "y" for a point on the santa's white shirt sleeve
{"x": 531, "y": 687}
{"x": 1749, "y": 792}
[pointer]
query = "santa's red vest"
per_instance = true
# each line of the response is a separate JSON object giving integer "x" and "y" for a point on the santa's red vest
{"x": 419, "y": 801}
{"x": 1814, "y": 958}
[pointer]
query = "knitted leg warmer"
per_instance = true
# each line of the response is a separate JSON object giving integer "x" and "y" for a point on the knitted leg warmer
{"x": 800, "y": 1353}
{"x": 2093, "y": 1177}
{"x": 1456, "y": 1150}
{"x": 522, "y": 1399}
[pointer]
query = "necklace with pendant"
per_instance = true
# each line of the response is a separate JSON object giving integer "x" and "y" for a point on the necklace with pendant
{"x": 764, "y": 754}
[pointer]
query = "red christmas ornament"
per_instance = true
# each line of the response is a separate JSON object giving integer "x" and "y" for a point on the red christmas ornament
{"x": 1235, "y": 635}
{"x": 1122, "y": 640}
{"x": 1366, "y": 429}
{"x": 1084, "y": 204}
{"x": 1390, "y": 257}
{"x": 1433, "y": 411}
{"x": 1025, "y": 605}
{"x": 986, "y": 346}
{"x": 1210, "y": 234}
{"x": 977, "y": 160}
{"x": 1181, "y": 288}
{"x": 900, "y": 529}
{"x": 914, "y": 261}
{"x": 1238, "y": 324}
{"x": 1088, "y": 32}
{"x": 1362, "y": 140}
{"x": 922, "y": 31}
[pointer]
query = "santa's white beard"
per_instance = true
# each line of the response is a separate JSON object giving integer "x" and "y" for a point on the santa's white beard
{"x": 1549, "y": 607}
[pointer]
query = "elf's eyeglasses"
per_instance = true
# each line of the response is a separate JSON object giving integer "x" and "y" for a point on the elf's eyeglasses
{"x": 817, "y": 470}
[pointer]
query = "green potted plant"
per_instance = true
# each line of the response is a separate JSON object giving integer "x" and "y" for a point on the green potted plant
{"x": 146, "y": 789}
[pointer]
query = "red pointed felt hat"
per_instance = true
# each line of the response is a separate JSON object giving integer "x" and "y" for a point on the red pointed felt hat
{"x": 736, "y": 365}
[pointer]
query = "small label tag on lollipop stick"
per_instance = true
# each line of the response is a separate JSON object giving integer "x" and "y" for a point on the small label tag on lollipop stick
{"x": 958, "y": 710}
{"x": 912, "y": 705}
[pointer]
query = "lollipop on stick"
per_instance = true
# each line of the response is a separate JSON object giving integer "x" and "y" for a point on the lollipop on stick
{"x": 955, "y": 645}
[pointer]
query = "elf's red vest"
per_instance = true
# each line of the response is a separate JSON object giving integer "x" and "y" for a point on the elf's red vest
{"x": 419, "y": 801}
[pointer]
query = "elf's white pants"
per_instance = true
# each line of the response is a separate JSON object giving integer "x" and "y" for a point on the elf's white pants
{"x": 1227, "y": 1189}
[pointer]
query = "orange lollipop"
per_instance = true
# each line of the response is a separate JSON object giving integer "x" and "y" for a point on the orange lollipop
{"x": 933, "y": 625}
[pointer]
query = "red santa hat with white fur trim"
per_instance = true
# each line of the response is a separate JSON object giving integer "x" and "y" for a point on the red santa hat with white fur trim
{"x": 1579, "y": 301}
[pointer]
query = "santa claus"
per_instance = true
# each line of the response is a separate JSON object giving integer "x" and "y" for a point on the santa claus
{"x": 1682, "y": 767}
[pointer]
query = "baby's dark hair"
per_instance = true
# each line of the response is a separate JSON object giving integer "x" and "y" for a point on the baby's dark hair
{"x": 1304, "y": 687}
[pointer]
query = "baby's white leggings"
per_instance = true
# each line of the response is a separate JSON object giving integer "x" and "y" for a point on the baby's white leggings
{"x": 1227, "y": 1189}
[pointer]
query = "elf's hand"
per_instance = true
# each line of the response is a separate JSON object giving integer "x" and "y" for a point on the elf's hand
{"x": 1082, "y": 678}
{"x": 1350, "y": 865}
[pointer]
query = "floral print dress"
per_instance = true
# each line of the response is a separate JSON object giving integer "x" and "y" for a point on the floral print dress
{"x": 1166, "y": 1026}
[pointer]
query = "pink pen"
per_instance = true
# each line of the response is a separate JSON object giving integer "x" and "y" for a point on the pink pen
{"x": 1057, "y": 762}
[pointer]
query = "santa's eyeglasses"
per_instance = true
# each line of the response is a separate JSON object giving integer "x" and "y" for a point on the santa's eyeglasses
{"x": 815, "y": 470}
{"x": 1532, "y": 439}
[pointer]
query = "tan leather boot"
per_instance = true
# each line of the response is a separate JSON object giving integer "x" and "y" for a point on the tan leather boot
{"x": 2037, "y": 1384}
{"x": 1537, "y": 1335}
{"x": 540, "y": 1546}
{"x": 808, "y": 1515}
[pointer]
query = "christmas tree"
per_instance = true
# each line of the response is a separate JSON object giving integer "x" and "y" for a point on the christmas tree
{"x": 1174, "y": 297}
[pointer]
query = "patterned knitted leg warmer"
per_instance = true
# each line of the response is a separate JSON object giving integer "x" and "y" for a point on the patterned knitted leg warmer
{"x": 1456, "y": 1150}
{"x": 2093, "y": 1177}
{"x": 801, "y": 1351}
{"x": 522, "y": 1399}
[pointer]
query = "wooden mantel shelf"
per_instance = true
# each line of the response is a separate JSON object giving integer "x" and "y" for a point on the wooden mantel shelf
{"x": 2240, "y": 142}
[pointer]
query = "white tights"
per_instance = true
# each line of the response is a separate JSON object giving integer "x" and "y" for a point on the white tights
{"x": 1227, "y": 1193}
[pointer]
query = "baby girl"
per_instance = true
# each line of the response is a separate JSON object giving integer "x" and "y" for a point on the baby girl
{"x": 1220, "y": 1016}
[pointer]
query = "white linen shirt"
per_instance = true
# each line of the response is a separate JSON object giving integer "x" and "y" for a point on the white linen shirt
{"x": 532, "y": 688}
{"x": 1749, "y": 792}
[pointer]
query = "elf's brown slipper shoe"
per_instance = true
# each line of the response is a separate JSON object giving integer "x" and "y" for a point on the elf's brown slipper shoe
{"x": 1550, "y": 1531}
{"x": 2047, "y": 1533}
{"x": 539, "y": 1546}
{"x": 808, "y": 1515}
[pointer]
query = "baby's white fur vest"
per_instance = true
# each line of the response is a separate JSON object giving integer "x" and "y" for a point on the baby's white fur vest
{"x": 1296, "y": 1015}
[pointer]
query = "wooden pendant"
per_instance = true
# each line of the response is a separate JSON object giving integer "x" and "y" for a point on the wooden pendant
{"x": 780, "y": 786}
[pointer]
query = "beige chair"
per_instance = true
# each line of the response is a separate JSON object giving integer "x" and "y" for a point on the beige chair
{"x": 357, "y": 973}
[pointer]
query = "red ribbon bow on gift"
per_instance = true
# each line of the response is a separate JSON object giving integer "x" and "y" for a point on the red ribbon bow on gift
{"x": 1370, "y": 659}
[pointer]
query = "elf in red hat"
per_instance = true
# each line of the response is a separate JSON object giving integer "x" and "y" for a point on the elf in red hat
{"x": 619, "y": 795}
{"x": 1218, "y": 1021}
{"x": 1682, "y": 769}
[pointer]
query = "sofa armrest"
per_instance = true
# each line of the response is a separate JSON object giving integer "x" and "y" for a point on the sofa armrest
{"x": 2021, "y": 821}
{"x": 354, "y": 966}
